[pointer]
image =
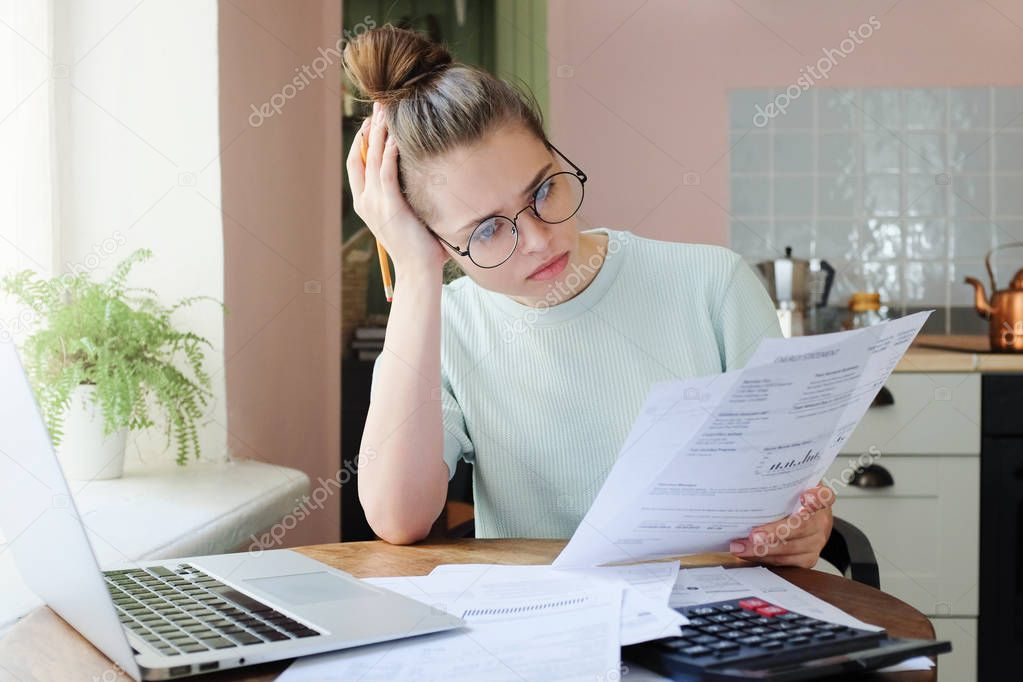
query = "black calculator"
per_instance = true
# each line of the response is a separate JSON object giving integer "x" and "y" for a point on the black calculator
{"x": 749, "y": 638}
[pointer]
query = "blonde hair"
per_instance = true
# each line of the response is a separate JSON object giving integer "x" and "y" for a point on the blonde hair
{"x": 434, "y": 104}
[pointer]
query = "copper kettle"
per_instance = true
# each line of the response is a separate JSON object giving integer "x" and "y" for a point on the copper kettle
{"x": 1005, "y": 311}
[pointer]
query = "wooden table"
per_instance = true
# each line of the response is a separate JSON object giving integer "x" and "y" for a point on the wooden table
{"x": 44, "y": 647}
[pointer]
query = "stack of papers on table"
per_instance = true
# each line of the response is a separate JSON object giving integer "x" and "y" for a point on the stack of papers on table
{"x": 541, "y": 623}
{"x": 522, "y": 623}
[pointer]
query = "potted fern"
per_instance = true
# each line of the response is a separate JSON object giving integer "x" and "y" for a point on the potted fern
{"x": 104, "y": 361}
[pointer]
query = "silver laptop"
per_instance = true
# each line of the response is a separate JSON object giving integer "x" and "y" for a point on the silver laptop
{"x": 160, "y": 620}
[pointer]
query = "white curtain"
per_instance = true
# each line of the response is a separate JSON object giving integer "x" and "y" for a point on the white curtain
{"x": 110, "y": 142}
{"x": 28, "y": 182}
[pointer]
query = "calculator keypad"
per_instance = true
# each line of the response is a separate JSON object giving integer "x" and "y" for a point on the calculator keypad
{"x": 751, "y": 628}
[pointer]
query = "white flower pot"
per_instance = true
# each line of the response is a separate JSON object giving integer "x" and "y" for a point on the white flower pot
{"x": 84, "y": 452}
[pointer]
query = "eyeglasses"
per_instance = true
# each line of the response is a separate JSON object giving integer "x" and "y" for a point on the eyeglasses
{"x": 494, "y": 239}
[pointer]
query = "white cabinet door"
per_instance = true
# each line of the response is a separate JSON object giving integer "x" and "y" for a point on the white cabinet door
{"x": 933, "y": 414}
{"x": 924, "y": 529}
{"x": 960, "y": 665}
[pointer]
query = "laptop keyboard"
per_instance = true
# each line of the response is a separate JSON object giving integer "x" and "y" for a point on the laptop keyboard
{"x": 186, "y": 611}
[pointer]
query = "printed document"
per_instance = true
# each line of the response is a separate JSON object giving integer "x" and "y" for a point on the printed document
{"x": 710, "y": 458}
{"x": 514, "y": 631}
{"x": 647, "y": 587}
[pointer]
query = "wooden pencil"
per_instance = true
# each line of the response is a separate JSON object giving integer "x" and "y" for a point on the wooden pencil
{"x": 385, "y": 268}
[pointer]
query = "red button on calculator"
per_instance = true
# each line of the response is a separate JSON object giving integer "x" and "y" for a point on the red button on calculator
{"x": 752, "y": 604}
{"x": 770, "y": 610}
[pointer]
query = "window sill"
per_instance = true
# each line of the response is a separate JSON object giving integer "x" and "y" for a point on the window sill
{"x": 166, "y": 511}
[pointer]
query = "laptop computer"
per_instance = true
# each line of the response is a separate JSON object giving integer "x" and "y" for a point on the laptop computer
{"x": 161, "y": 620}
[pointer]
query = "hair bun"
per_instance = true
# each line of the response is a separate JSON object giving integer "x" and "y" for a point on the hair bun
{"x": 385, "y": 63}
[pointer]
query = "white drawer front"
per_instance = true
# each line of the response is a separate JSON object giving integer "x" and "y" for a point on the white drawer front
{"x": 933, "y": 414}
{"x": 960, "y": 665}
{"x": 924, "y": 529}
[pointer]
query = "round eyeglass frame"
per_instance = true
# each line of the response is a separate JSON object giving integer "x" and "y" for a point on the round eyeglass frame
{"x": 576, "y": 171}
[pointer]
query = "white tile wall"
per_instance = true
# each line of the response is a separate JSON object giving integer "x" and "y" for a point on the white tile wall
{"x": 903, "y": 190}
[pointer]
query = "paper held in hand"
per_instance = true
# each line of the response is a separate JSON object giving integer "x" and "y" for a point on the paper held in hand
{"x": 710, "y": 458}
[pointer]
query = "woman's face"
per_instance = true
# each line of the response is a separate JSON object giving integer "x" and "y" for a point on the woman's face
{"x": 499, "y": 176}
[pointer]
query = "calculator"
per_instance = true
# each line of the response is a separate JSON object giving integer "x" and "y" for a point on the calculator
{"x": 750, "y": 638}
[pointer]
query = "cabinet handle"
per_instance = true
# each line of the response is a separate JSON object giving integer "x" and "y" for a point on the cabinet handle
{"x": 872, "y": 476}
{"x": 883, "y": 398}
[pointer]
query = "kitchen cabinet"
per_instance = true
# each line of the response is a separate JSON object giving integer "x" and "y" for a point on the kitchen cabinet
{"x": 923, "y": 529}
{"x": 933, "y": 414}
{"x": 921, "y": 507}
{"x": 961, "y": 664}
{"x": 946, "y": 522}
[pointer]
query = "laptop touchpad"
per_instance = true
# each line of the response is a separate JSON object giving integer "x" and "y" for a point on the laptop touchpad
{"x": 305, "y": 588}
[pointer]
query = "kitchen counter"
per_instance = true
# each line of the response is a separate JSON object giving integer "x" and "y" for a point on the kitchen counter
{"x": 957, "y": 353}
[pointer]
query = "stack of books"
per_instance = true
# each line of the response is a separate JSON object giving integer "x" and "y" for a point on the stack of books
{"x": 368, "y": 342}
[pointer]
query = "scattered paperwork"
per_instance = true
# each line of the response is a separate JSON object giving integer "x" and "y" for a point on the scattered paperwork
{"x": 515, "y": 631}
{"x": 538, "y": 623}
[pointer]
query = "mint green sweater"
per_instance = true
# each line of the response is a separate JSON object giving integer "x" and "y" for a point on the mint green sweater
{"x": 540, "y": 400}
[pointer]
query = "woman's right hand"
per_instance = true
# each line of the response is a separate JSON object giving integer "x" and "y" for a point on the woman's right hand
{"x": 380, "y": 203}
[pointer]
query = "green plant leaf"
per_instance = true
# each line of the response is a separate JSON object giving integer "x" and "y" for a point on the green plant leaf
{"x": 121, "y": 340}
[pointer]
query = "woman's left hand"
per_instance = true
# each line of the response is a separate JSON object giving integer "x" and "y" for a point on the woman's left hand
{"x": 796, "y": 540}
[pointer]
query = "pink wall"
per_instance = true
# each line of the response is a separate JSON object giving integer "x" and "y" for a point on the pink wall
{"x": 642, "y": 96}
{"x": 282, "y": 222}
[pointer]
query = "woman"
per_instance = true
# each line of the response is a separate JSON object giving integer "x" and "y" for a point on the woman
{"x": 533, "y": 365}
